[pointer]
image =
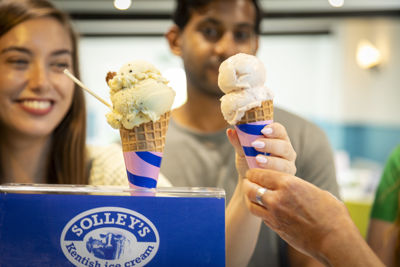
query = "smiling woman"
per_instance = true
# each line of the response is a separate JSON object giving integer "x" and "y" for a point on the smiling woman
{"x": 42, "y": 112}
{"x": 36, "y": 95}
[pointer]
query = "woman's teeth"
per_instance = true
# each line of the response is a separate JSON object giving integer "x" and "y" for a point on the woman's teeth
{"x": 35, "y": 104}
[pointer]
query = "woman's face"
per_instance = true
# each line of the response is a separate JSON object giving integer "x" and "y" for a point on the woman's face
{"x": 35, "y": 94}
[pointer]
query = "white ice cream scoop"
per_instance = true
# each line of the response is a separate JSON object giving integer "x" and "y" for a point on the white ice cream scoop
{"x": 241, "y": 71}
{"x": 242, "y": 77}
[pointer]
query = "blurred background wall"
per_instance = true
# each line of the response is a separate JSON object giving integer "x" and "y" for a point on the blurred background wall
{"x": 310, "y": 49}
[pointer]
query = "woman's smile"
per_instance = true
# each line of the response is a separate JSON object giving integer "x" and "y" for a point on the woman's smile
{"x": 36, "y": 106}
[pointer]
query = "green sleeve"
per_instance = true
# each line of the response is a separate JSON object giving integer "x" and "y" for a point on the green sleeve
{"x": 386, "y": 201}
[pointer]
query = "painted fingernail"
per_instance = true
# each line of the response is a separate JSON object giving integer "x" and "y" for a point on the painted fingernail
{"x": 261, "y": 159}
{"x": 266, "y": 131}
{"x": 258, "y": 144}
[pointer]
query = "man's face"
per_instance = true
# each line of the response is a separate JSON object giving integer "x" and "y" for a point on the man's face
{"x": 219, "y": 30}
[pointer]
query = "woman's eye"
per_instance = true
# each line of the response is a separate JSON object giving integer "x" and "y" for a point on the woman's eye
{"x": 60, "y": 66}
{"x": 18, "y": 63}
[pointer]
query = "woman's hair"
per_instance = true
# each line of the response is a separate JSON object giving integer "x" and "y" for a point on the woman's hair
{"x": 66, "y": 163}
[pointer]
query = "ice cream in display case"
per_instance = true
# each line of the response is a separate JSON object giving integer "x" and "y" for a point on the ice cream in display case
{"x": 247, "y": 103}
{"x": 141, "y": 100}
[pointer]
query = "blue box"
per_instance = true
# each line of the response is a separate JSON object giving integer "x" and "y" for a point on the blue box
{"x": 107, "y": 227}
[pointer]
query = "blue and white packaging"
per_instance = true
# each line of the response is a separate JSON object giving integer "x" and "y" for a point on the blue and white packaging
{"x": 86, "y": 226}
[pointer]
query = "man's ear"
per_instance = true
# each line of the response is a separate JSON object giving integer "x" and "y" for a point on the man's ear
{"x": 173, "y": 36}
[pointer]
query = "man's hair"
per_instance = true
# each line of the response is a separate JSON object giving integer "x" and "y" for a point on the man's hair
{"x": 184, "y": 9}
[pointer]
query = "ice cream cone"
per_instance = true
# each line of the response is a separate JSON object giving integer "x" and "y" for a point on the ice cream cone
{"x": 250, "y": 126}
{"x": 247, "y": 102}
{"x": 263, "y": 113}
{"x": 142, "y": 101}
{"x": 143, "y": 148}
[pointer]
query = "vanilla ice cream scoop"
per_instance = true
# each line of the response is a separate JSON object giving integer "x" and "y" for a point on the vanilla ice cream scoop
{"x": 139, "y": 94}
{"x": 241, "y": 71}
{"x": 242, "y": 77}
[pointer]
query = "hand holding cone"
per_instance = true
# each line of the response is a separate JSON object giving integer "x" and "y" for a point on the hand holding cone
{"x": 249, "y": 129}
{"x": 247, "y": 103}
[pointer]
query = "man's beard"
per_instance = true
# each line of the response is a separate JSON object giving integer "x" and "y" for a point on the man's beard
{"x": 207, "y": 87}
{"x": 204, "y": 82}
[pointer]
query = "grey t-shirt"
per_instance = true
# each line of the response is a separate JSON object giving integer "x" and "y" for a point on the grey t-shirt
{"x": 208, "y": 160}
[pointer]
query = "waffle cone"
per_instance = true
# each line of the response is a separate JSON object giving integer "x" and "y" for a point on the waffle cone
{"x": 262, "y": 113}
{"x": 149, "y": 136}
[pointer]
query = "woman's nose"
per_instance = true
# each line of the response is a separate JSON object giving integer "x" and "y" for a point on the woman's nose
{"x": 39, "y": 78}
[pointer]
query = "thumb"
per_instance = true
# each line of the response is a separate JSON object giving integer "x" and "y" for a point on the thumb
{"x": 234, "y": 140}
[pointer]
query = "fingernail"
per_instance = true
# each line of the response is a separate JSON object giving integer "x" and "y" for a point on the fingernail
{"x": 266, "y": 131}
{"x": 261, "y": 159}
{"x": 258, "y": 144}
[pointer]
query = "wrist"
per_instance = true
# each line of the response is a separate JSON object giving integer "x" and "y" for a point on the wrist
{"x": 239, "y": 201}
{"x": 337, "y": 247}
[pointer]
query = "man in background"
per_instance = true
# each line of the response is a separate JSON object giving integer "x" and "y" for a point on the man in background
{"x": 197, "y": 151}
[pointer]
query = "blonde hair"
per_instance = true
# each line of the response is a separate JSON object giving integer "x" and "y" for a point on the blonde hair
{"x": 67, "y": 161}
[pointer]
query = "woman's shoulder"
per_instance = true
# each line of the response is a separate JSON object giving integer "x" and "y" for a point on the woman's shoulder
{"x": 102, "y": 152}
{"x": 394, "y": 158}
{"x": 107, "y": 165}
{"x": 391, "y": 172}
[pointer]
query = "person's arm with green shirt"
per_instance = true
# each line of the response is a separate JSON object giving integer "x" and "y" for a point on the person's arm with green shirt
{"x": 383, "y": 233}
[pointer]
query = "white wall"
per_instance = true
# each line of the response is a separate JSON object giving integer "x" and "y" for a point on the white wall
{"x": 313, "y": 75}
{"x": 301, "y": 72}
{"x": 318, "y": 77}
{"x": 372, "y": 95}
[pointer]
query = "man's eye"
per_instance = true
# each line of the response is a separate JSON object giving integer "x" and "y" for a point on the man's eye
{"x": 210, "y": 33}
{"x": 241, "y": 36}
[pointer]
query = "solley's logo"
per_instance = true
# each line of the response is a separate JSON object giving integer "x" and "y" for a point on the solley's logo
{"x": 109, "y": 237}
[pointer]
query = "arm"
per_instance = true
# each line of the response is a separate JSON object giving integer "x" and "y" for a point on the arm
{"x": 382, "y": 238}
{"x": 383, "y": 233}
{"x": 310, "y": 219}
{"x": 242, "y": 228}
{"x": 315, "y": 164}
{"x": 297, "y": 258}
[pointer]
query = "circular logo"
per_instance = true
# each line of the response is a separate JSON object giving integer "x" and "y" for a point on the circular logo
{"x": 109, "y": 236}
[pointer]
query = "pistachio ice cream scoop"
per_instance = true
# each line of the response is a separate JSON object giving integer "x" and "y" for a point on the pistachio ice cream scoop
{"x": 139, "y": 94}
